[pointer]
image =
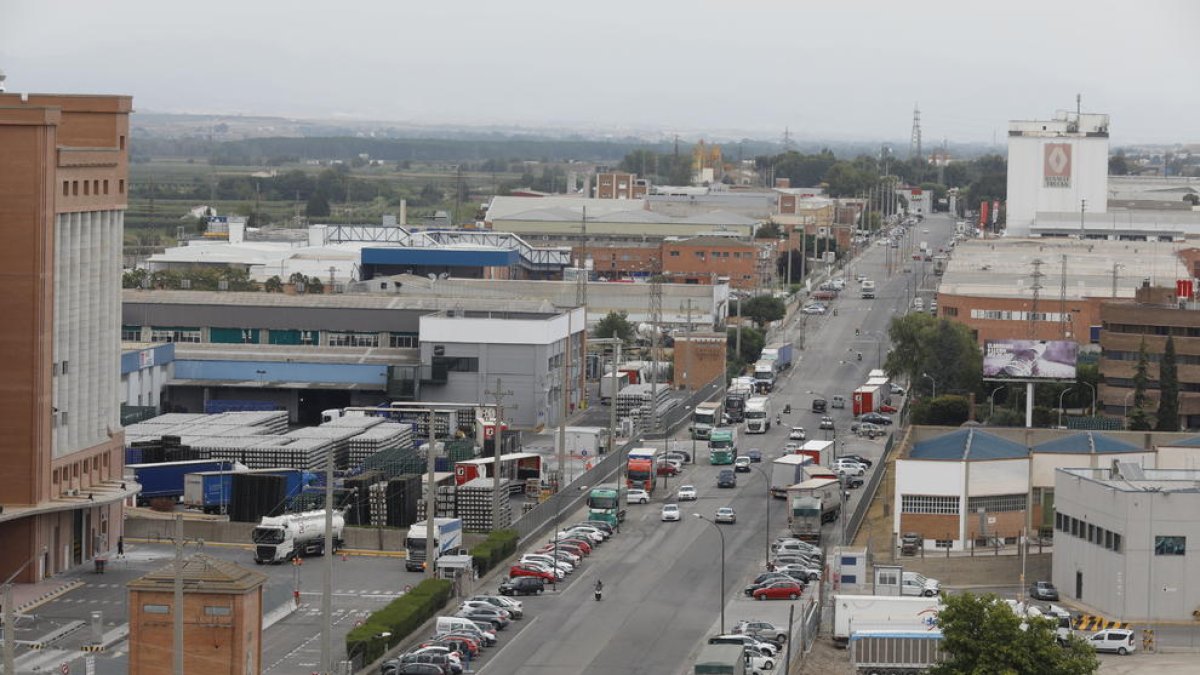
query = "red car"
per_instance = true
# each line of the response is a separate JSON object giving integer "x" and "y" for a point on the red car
{"x": 668, "y": 469}
{"x": 524, "y": 571}
{"x": 890, "y": 409}
{"x": 780, "y": 590}
{"x": 585, "y": 546}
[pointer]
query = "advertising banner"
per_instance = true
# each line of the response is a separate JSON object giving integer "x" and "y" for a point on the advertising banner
{"x": 1026, "y": 360}
{"x": 983, "y": 215}
{"x": 1056, "y": 165}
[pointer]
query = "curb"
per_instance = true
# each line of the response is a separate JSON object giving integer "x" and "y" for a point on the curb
{"x": 279, "y": 614}
{"x": 48, "y": 596}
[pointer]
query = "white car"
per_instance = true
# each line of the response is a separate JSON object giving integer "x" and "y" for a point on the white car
{"x": 1119, "y": 640}
{"x": 913, "y": 583}
{"x": 687, "y": 493}
{"x": 514, "y": 607}
{"x": 725, "y": 514}
{"x": 670, "y": 512}
{"x": 481, "y": 604}
{"x": 796, "y": 434}
{"x": 849, "y": 468}
{"x": 638, "y": 496}
{"x": 562, "y": 565}
{"x": 814, "y": 309}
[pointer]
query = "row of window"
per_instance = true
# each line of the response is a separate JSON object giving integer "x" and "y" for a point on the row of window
{"x": 716, "y": 254}
{"x": 1016, "y": 315}
{"x": 1087, "y": 532}
{"x": 1178, "y": 331}
{"x": 90, "y": 187}
{"x": 929, "y": 504}
{"x": 1184, "y": 359}
{"x": 209, "y": 610}
{"x": 996, "y": 503}
{"x": 275, "y": 337}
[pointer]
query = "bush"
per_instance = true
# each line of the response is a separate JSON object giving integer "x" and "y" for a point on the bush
{"x": 499, "y": 545}
{"x": 400, "y": 617}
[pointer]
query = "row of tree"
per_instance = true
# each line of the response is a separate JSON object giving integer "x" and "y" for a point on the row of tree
{"x": 216, "y": 279}
{"x": 1166, "y": 418}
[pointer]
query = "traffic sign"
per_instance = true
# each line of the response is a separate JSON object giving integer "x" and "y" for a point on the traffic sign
{"x": 65, "y": 668}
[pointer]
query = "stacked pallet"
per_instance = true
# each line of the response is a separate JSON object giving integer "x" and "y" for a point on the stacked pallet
{"x": 476, "y": 500}
{"x": 445, "y": 503}
{"x": 358, "y": 495}
{"x": 383, "y": 436}
{"x": 395, "y": 462}
{"x": 377, "y": 503}
{"x": 403, "y": 493}
{"x": 338, "y": 438}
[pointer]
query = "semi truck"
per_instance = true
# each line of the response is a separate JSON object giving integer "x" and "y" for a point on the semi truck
{"x": 611, "y": 386}
{"x": 867, "y": 289}
{"x": 811, "y": 504}
{"x": 211, "y": 490}
{"x": 722, "y": 446}
{"x": 585, "y": 441}
{"x": 739, "y": 391}
{"x": 607, "y": 503}
{"x": 887, "y": 652}
{"x": 294, "y": 535}
{"x": 165, "y": 479}
{"x": 853, "y": 613}
{"x": 641, "y": 468}
{"x": 447, "y": 540}
{"x": 758, "y": 415}
{"x": 866, "y": 399}
{"x": 705, "y": 418}
{"x": 786, "y": 472}
{"x": 721, "y": 659}
{"x": 779, "y": 353}
{"x": 764, "y": 375}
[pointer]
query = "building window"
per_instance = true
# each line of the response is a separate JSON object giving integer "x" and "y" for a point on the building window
{"x": 935, "y": 504}
{"x": 121, "y": 186}
{"x": 122, "y": 142}
{"x": 211, "y": 610}
{"x": 66, "y": 188}
{"x": 402, "y": 340}
{"x": 175, "y": 335}
{"x": 1170, "y": 545}
{"x": 131, "y": 333}
{"x": 96, "y": 186}
{"x": 673, "y": 254}
{"x": 156, "y": 609}
{"x": 1116, "y": 542}
{"x": 943, "y": 543}
{"x": 461, "y": 364}
{"x": 997, "y": 503}
{"x": 105, "y": 186}
{"x": 349, "y": 339}
{"x": 950, "y": 311}
{"x": 86, "y": 186}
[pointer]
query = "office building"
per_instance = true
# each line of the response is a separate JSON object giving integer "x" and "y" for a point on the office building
{"x": 620, "y": 185}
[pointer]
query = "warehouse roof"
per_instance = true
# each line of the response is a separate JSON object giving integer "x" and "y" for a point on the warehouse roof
{"x": 1086, "y": 443}
{"x": 968, "y": 444}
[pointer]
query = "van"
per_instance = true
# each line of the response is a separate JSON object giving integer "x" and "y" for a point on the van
{"x": 838, "y": 401}
{"x": 918, "y": 304}
{"x": 450, "y": 624}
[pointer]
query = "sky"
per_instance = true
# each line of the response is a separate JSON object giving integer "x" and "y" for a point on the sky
{"x": 848, "y": 70}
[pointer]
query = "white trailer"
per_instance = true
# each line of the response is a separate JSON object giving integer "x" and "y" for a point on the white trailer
{"x": 447, "y": 540}
{"x": 611, "y": 385}
{"x": 294, "y": 535}
{"x": 587, "y": 441}
{"x": 895, "y": 652}
{"x": 853, "y": 613}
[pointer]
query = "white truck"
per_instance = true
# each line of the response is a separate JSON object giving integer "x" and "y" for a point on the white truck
{"x": 786, "y": 471}
{"x": 705, "y": 418}
{"x": 447, "y": 540}
{"x": 585, "y": 441}
{"x": 758, "y": 415}
{"x": 811, "y": 504}
{"x": 764, "y": 375}
{"x": 867, "y": 289}
{"x": 854, "y": 613}
{"x": 293, "y": 535}
{"x": 611, "y": 385}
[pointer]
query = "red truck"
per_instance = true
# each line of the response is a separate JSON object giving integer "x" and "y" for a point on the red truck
{"x": 866, "y": 399}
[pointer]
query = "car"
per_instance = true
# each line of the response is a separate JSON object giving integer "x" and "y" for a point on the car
{"x": 453, "y": 659}
{"x": 768, "y": 648}
{"x": 678, "y": 457}
{"x": 819, "y": 405}
{"x": 796, "y": 434}
{"x": 409, "y": 664}
{"x": 725, "y": 514}
{"x": 897, "y": 390}
{"x": 578, "y": 542}
{"x": 763, "y": 630}
{"x": 561, "y": 553}
{"x": 686, "y": 493}
{"x": 826, "y": 422}
{"x": 670, "y": 512}
{"x": 464, "y": 642}
{"x": 742, "y": 464}
{"x": 669, "y": 468}
{"x": 851, "y": 482}
{"x": 727, "y": 479}
{"x": 482, "y": 604}
{"x": 791, "y": 543}
{"x": 755, "y": 455}
{"x": 638, "y": 496}
{"x": 912, "y": 583}
{"x": 514, "y": 607}
{"x": 1119, "y": 640}
{"x": 849, "y": 468}
{"x": 792, "y": 448}
{"x": 888, "y": 408}
{"x": 868, "y": 430}
{"x": 815, "y": 309}
{"x": 876, "y": 418}
{"x": 764, "y": 579}
{"x": 860, "y": 459}
{"x": 486, "y": 633}
{"x": 779, "y": 590}
{"x": 529, "y": 570}
{"x": 1043, "y": 590}
{"x": 584, "y": 527}
{"x": 522, "y": 585}
{"x": 800, "y": 571}
{"x": 482, "y": 614}
{"x": 757, "y": 660}
{"x": 591, "y": 536}
{"x": 549, "y": 561}
{"x": 598, "y": 524}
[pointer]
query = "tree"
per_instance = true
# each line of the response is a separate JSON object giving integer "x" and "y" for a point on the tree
{"x": 781, "y": 265}
{"x": 273, "y": 285}
{"x": 752, "y": 344}
{"x": 1167, "y": 417}
{"x": 1118, "y": 165}
{"x": 1137, "y": 420}
{"x": 943, "y": 349}
{"x": 315, "y": 285}
{"x": 982, "y": 634}
{"x": 317, "y": 206}
{"x": 768, "y": 230}
{"x": 946, "y": 411}
{"x": 763, "y": 309}
{"x": 616, "y": 324}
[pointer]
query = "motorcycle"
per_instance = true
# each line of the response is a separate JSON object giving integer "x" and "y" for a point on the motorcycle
{"x": 860, "y": 356}
{"x": 599, "y": 588}
{"x": 787, "y": 409}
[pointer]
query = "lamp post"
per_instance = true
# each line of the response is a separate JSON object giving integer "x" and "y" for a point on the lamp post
{"x": 1091, "y": 386}
{"x": 721, "y": 595}
{"x": 992, "y": 401}
{"x": 767, "y": 531}
{"x": 10, "y": 618}
{"x": 932, "y": 382}
{"x": 1060, "y": 403}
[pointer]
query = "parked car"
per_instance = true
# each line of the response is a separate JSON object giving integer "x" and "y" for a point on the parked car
{"x": 638, "y": 496}
{"x": 779, "y": 590}
{"x": 1119, "y": 640}
{"x": 561, "y": 553}
{"x": 764, "y": 579}
{"x": 1043, "y": 590}
{"x": 755, "y": 455}
{"x": 801, "y": 571}
{"x": 670, "y": 512}
{"x": 851, "y": 482}
{"x": 727, "y": 479}
{"x": 686, "y": 493}
{"x": 912, "y": 583}
{"x": 529, "y": 570}
{"x": 668, "y": 468}
{"x": 416, "y": 664}
{"x": 796, "y": 434}
{"x": 678, "y": 456}
{"x": 454, "y": 661}
{"x": 742, "y": 464}
{"x": 481, "y": 604}
{"x": 549, "y": 561}
{"x": 763, "y": 630}
{"x": 860, "y": 459}
{"x": 725, "y": 514}
{"x": 745, "y": 641}
{"x": 897, "y": 390}
{"x": 598, "y": 524}
{"x": 888, "y": 408}
{"x": 876, "y": 418}
{"x": 826, "y": 422}
{"x": 514, "y": 607}
{"x": 522, "y": 585}
{"x": 849, "y": 467}
{"x": 868, "y": 430}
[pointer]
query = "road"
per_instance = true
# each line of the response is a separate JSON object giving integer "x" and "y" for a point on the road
{"x": 662, "y": 580}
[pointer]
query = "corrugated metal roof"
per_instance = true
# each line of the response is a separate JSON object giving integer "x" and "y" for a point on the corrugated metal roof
{"x": 968, "y": 444}
{"x": 1086, "y": 443}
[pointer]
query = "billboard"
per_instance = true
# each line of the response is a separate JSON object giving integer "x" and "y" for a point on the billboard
{"x": 1027, "y": 360}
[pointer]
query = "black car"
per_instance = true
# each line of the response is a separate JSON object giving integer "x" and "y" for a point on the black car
{"x": 819, "y": 405}
{"x": 860, "y": 459}
{"x": 522, "y": 586}
{"x": 727, "y": 479}
{"x": 755, "y": 455}
{"x": 876, "y": 418}
{"x": 851, "y": 482}
{"x": 1043, "y": 590}
{"x": 396, "y": 668}
{"x": 599, "y": 525}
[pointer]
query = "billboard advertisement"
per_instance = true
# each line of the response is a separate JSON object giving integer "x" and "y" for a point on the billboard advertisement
{"x": 1029, "y": 360}
{"x": 1056, "y": 165}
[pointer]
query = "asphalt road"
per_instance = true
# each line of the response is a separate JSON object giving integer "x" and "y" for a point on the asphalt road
{"x": 663, "y": 580}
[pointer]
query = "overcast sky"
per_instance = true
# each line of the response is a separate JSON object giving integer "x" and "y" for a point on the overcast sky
{"x": 847, "y": 70}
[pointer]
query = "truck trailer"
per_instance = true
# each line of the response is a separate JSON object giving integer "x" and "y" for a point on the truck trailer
{"x": 447, "y": 540}
{"x": 854, "y": 613}
{"x": 610, "y": 386}
{"x": 786, "y": 472}
{"x": 721, "y": 659}
{"x": 165, "y": 479}
{"x": 294, "y": 535}
{"x": 887, "y": 652}
{"x": 821, "y": 452}
{"x": 211, "y": 490}
{"x": 811, "y": 504}
{"x": 866, "y": 399}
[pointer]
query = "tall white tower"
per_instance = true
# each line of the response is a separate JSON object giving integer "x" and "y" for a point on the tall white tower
{"x": 1056, "y": 166}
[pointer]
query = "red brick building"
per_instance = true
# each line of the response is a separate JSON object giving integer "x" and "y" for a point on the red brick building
{"x": 699, "y": 359}
{"x": 700, "y": 259}
{"x": 619, "y": 185}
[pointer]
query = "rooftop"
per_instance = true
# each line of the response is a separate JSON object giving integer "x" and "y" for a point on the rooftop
{"x": 1086, "y": 443}
{"x": 380, "y": 301}
{"x": 969, "y": 445}
{"x": 1128, "y": 477}
{"x": 202, "y": 573}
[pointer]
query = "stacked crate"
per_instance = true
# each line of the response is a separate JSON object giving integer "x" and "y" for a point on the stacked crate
{"x": 383, "y": 436}
{"x": 377, "y": 495}
{"x": 358, "y": 496}
{"x": 475, "y": 500}
{"x": 337, "y": 437}
{"x": 403, "y": 494}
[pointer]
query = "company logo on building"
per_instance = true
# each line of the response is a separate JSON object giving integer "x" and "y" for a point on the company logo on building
{"x": 1056, "y": 167}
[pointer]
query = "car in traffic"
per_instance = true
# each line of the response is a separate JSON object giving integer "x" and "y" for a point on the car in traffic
{"x": 670, "y": 513}
{"x": 814, "y": 309}
{"x": 725, "y": 514}
{"x": 1043, "y": 590}
{"x": 638, "y": 496}
{"x": 755, "y": 455}
{"x": 779, "y": 590}
{"x": 796, "y": 434}
{"x": 876, "y": 418}
{"x": 1119, "y": 640}
{"x": 727, "y": 479}
{"x": 742, "y": 464}
{"x": 522, "y": 585}
{"x": 686, "y": 493}
{"x": 826, "y": 423}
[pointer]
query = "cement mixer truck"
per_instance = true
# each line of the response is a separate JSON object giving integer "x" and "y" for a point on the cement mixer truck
{"x": 294, "y": 535}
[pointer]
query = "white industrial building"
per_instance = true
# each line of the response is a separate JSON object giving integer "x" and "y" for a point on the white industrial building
{"x": 1127, "y": 541}
{"x": 1056, "y": 166}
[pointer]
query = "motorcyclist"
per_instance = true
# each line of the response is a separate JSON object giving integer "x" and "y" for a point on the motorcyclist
{"x": 599, "y": 588}
{"x": 778, "y": 419}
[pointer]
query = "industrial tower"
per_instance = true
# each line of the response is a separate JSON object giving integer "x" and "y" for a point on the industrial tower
{"x": 914, "y": 144}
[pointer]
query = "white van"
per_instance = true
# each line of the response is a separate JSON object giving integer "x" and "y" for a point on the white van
{"x": 919, "y": 585}
{"x": 450, "y": 624}
{"x": 918, "y": 304}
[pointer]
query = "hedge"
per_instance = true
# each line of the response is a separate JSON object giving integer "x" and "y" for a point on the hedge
{"x": 492, "y": 551}
{"x": 400, "y": 617}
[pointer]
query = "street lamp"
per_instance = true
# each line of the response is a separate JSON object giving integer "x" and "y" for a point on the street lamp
{"x": 767, "y": 532}
{"x": 10, "y": 618}
{"x": 721, "y": 595}
{"x": 1091, "y": 386}
{"x": 932, "y": 382}
{"x": 1060, "y": 403}
{"x": 992, "y": 401}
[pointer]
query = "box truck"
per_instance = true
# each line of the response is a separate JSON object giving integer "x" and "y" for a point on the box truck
{"x": 294, "y": 535}
{"x": 778, "y": 353}
{"x": 611, "y": 386}
{"x": 212, "y": 490}
{"x": 866, "y": 399}
{"x": 447, "y": 540}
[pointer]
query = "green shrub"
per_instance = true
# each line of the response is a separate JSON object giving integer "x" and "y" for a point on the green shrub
{"x": 498, "y": 546}
{"x": 401, "y": 617}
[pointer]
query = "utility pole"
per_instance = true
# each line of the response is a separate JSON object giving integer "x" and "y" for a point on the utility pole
{"x": 431, "y": 492}
{"x": 1063, "y": 318}
{"x": 1036, "y": 287}
{"x": 177, "y": 608}
{"x": 581, "y": 279}
{"x": 327, "y": 571}
{"x": 566, "y": 399}
{"x": 500, "y": 394}
{"x": 612, "y": 403}
{"x": 737, "y": 347}
{"x": 1082, "y": 210}
{"x": 656, "y": 323}
{"x": 690, "y": 360}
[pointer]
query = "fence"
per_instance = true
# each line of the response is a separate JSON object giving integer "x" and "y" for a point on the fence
{"x": 868, "y": 492}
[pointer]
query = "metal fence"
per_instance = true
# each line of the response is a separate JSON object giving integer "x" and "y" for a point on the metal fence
{"x": 868, "y": 492}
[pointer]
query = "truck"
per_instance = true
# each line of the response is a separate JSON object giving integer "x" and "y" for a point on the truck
{"x": 607, "y": 503}
{"x": 811, "y": 504}
{"x": 165, "y": 479}
{"x": 939, "y": 264}
{"x": 779, "y": 353}
{"x": 764, "y": 375}
{"x": 812, "y": 471}
{"x": 821, "y": 452}
{"x": 739, "y": 391}
{"x": 888, "y": 652}
{"x": 721, "y": 659}
{"x": 866, "y": 290}
{"x": 853, "y": 613}
{"x": 866, "y": 399}
{"x": 722, "y": 445}
{"x": 758, "y": 415}
{"x": 611, "y": 386}
{"x": 585, "y": 441}
{"x": 447, "y": 540}
{"x": 294, "y": 535}
{"x": 641, "y": 469}
{"x": 786, "y": 472}
{"x": 705, "y": 418}
{"x": 211, "y": 490}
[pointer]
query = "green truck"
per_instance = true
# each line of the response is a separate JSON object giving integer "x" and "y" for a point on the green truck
{"x": 607, "y": 503}
{"x": 722, "y": 445}
{"x": 721, "y": 659}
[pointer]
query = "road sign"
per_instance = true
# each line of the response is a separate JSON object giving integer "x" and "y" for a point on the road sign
{"x": 65, "y": 669}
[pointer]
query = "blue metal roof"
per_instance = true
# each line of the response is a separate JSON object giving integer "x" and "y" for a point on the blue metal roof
{"x": 1086, "y": 443}
{"x": 450, "y": 257}
{"x": 969, "y": 444}
{"x": 1194, "y": 441}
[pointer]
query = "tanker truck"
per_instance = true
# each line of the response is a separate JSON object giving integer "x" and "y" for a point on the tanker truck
{"x": 294, "y": 535}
